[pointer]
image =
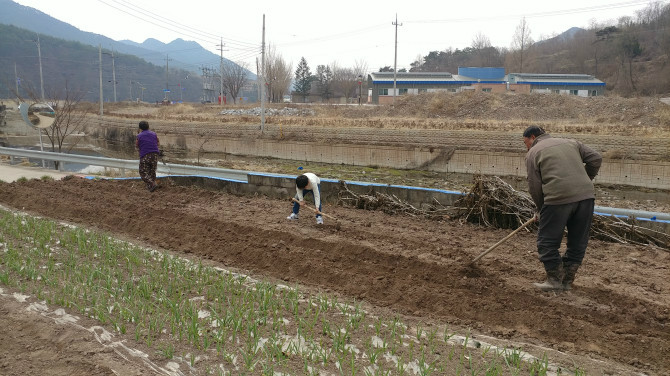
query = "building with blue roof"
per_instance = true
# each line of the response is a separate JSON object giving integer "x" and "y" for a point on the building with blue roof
{"x": 485, "y": 79}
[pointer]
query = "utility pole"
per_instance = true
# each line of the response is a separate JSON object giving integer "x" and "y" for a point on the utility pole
{"x": 395, "y": 59}
{"x": 39, "y": 53}
{"x": 360, "y": 88}
{"x": 263, "y": 79}
{"x": 141, "y": 98}
{"x": 181, "y": 89}
{"x": 114, "y": 76}
{"x": 258, "y": 80}
{"x": 221, "y": 72}
{"x": 131, "y": 90}
{"x": 100, "y": 68}
{"x": 207, "y": 85}
{"x": 113, "y": 71}
{"x": 167, "y": 85}
{"x": 16, "y": 80}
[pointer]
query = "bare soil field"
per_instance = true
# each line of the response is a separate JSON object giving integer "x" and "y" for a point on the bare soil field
{"x": 614, "y": 322}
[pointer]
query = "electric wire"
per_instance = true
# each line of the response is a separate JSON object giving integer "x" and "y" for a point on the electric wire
{"x": 174, "y": 26}
{"x": 538, "y": 14}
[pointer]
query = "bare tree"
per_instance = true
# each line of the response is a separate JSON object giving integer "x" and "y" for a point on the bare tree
{"x": 482, "y": 46}
{"x": 651, "y": 14}
{"x": 582, "y": 48}
{"x": 203, "y": 138}
{"x": 70, "y": 118}
{"x": 629, "y": 46}
{"x": 416, "y": 64}
{"x": 234, "y": 78}
{"x": 278, "y": 75}
{"x": 521, "y": 42}
{"x": 361, "y": 73}
{"x": 625, "y": 22}
{"x": 70, "y": 114}
{"x": 344, "y": 82}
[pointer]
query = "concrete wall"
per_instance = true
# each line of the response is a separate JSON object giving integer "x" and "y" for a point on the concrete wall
{"x": 649, "y": 174}
{"x": 283, "y": 187}
{"x": 115, "y": 128}
{"x": 384, "y": 148}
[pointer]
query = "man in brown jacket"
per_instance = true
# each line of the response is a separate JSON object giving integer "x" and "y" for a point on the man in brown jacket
{"x": 560, "y": 174}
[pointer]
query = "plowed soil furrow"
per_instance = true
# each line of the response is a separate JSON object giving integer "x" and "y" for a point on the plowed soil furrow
{"x": 619, "y": 309}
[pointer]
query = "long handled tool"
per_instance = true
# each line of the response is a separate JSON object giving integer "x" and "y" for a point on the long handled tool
{"x": 161, "y": 156}
{"x": 315, "y": 210}
{"x": 503, "y": 240}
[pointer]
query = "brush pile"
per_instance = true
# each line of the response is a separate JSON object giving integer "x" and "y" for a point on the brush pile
{"x": 389, "y": 204}
{"x": 492, "y": 202}
{"x": 627, "y": 230}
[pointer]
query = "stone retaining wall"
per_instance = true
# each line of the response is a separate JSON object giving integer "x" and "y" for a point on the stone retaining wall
{"x": 490, "y": 153}
{"x": 459, "y": 139}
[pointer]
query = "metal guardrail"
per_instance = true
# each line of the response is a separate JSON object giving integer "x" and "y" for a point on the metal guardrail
{"x": 123, "y": 164}
{"x": 237, "y": 175}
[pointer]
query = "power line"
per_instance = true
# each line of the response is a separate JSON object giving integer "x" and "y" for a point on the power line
{"x": 356, "y": 32}
{"x": 540, "y": 14}
{"x": 163, "y": 19}
{"x": 172, "y": 25}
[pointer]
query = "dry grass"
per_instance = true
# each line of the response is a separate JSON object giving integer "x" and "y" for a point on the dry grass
{"x": 611, "y": 115}
{"x": 619, "y": 154}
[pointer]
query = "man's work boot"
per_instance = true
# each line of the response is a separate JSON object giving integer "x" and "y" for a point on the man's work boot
{"x": 569, "y": 276}
{"x": 553, "y": 282}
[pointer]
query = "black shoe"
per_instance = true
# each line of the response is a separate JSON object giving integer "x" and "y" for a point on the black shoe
{"x": 153, "y": 188}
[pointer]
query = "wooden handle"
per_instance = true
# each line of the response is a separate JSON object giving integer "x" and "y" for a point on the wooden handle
{"x": 503, "y": 240}
{"x": 315, "y": 210}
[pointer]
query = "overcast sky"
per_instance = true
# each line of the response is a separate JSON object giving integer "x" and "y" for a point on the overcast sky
{"x": 326, "y": 32}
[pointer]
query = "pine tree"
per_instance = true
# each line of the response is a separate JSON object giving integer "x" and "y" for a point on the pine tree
{"x": 303, "y": 80}
{"x": 324, "y": 75}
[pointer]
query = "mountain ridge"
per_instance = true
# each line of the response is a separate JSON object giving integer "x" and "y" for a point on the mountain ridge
{"x": 153, "y": 51}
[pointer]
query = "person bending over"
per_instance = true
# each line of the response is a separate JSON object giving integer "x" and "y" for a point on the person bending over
{"x": 305, "y": 184}
{"x": 560, "y": 181}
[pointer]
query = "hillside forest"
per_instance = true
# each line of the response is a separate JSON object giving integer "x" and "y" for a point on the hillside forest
{"x": 629, "y": 54}
{"x": 77, "y": 66}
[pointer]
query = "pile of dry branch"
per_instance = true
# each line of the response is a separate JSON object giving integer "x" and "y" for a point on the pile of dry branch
{"x": 494, "y": 203}
{"x": 389, "y": 203}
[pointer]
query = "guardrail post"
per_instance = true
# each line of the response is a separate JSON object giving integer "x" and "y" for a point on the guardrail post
{"x": 123, "y": 172}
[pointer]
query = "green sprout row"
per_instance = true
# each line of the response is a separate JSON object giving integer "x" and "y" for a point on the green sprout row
{"x": 217, "y": 322}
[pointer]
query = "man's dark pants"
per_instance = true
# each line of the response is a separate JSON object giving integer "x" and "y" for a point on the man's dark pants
{"x": 576, "y": 216}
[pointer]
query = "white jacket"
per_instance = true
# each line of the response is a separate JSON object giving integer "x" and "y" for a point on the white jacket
{"x": 313, "y": 182}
